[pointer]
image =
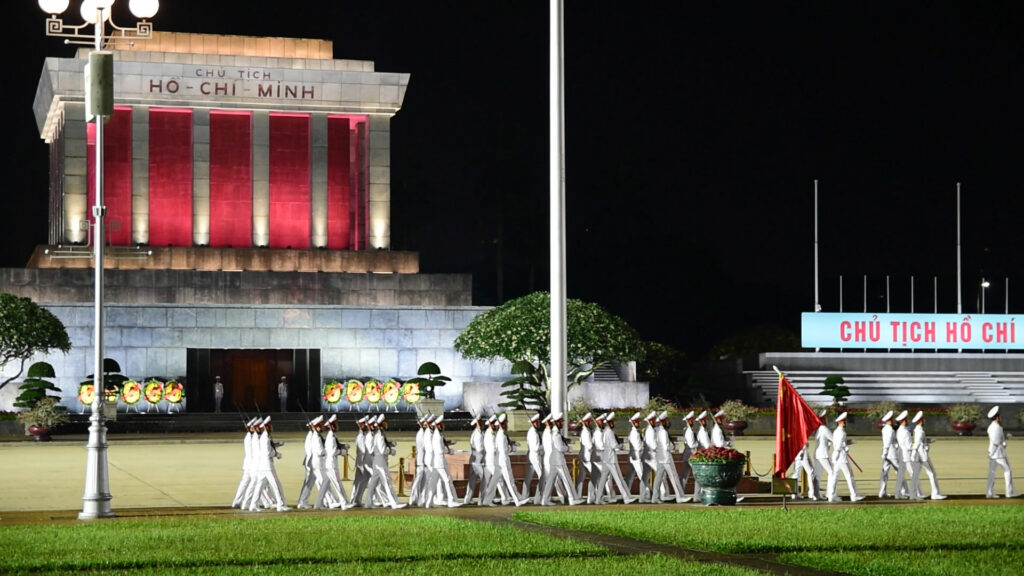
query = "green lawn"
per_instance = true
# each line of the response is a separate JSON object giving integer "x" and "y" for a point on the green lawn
{"x": 313, "y": 545}
{"x": 869, "y": 540}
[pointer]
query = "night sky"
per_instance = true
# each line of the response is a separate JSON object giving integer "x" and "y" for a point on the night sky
{"x": 695, "y": 132}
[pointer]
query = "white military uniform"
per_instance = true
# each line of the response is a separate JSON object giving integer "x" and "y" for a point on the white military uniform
{"x": 476, "y": 462}
{"x": 822, "y": 446}
{"x": 651, "y": 456}
{"x": 690, "y": 439}
{"x": 921, "y": 460}
{"x": 266, "y": 474}
{"x": 802, "y": 462}
{"x": 905, "y": 441}
{"x": 559, "y": 471}
{"x": 890, "y": 457}
{"x": 439, "y": 467}
{"x": 841, "y": 463}
{"x": 379, "y": 450}
{"x": 636, "y": 459}
{"x": 666, "y": 465}
{"x": 717, "y": 436}
{"x": 362, "y": 473}
{"x": 503, "y": 449}
{"x": 310, "y": 479}
{"x": 491, "y": 471}
{"x": 702, "y": 435}
{"x": 418, "y": 477}
{"x": 247, "y": 476}
{"x": 997, "y": 457}
{"x": 586, "y": 459}
{"x": 534, "y": 458}
{"x": 332, "y": 488}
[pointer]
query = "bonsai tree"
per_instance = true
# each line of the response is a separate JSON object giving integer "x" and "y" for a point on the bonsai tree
{"x": 526, "y": 389}
{"x": 26, "y": 329}
{"x": 429, "y": 377}
{"x": 35, "y": 388}
{"x": 835, "y": 388}
{"x": 737, "y": 411}
{"x": 964, "y": 413}
{"x": 113, "y": 380}
{"x": 520, "y": 331}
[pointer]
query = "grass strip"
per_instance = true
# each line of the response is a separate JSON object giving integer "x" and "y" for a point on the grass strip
{"x": 991, "y": 562}
{"x": 651, "y": 565}
{"x": 279, "y": 540}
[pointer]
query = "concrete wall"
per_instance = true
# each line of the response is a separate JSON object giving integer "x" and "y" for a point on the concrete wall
{"x": 484, "y": 397}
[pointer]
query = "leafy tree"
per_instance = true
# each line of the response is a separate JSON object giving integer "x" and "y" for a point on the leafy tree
{"x": 520, "y": 331}
{"x": 666, "y": 369}
{"x": 27, "y": 329}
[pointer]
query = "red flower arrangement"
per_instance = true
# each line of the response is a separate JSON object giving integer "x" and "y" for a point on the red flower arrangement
{"x": 715, "y": 455}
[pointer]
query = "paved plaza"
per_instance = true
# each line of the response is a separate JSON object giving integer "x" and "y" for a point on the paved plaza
{"x": 202, "y": 470}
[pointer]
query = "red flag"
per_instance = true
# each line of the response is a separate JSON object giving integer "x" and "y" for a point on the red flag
{"x": 795, "y": 422}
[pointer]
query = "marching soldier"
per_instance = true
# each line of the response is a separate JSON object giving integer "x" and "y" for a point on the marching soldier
{"x": 363, "y": 463}
{"x": 841, "y": 462}
{"x": 690, "y": 439}
{"x": 559, "y": 471}
{"x": 802, "y": 462}
{"x": 822, "y": 446}
{"x": 598, "y": 476}
{"x": 332, "y": 487}
{"x": 308, "y": 464}
{"x": 610, "y": 461}
{"x": 666, "y": 462}
{"x": 651, "y": 456}
{"x": 504, "y": 448}
{"x": 997, "y": 456}
{"x": 890, "y": 456}
{"x": 476, "y": 461}
{"x": 636, "y": 455}
{"x": 905, "y": 441}
{"x": 379, "y": 450}
{"x": 417, "y": 480}
{"x": 245, "y": 484}
{"x": 534, "y": 458}
{"x": 702, "y": 433}
{"x": 586, "y": 458}
{"x": 266, "y": 474}
{"x": 921, "y": 460}
{"x": 717, "y": 436}
{"x": 442, "y": 479}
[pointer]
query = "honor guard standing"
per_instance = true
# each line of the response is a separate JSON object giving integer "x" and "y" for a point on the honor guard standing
{"x": 247, "y": 465}
{"x": 418, "y": 477}
{"x": 534, "y": 460}
{"x": 636, "y": 459}
{"x": 666, "y": 462}
{"x": 218, "y": 394}
{"x": 266, "y": 474}
{"x": 442, "y": 483}
{"x": 717, "y": 436}
{"x": 558, "y": 470}
{"x": 380, "y": 449}
{"x": 890, "y": 455}
{"x": 362, "y": 474}
{"x": 904, "y": 441}
{"x": 332, "y": 479}
{"x": 841, "y": 462}
{"x": 310, "y": 479}
{"x": 997, "y": 456}
{"x": 586, "y": 458}
{"x": 282, "y": 393}
{"x": 476, "y": 461}
{"x": 822, "y": 447}
{"x": 921, "y": 460}
{"x": 610, "y": 459}
{"x": 703, "y": 440}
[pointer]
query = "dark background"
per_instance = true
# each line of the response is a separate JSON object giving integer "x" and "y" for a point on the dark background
{"x": 695, "y": 132}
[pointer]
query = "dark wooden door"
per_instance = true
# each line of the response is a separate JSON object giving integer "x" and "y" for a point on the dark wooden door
{"x": 250, "y": 379}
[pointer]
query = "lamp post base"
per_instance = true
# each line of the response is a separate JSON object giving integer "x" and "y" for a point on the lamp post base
{"x": 96, "y": 499}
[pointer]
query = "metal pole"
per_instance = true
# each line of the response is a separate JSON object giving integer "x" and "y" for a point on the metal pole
{"x": 556, "y": 176}
{"x": 959, "y": 290}
{"x": 96, "y": 497}
{"x": 817, "y": 302}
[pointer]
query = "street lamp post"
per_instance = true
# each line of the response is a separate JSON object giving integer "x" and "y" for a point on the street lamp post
{"x": 99, "y": 104}
{"x": 984, "y": 284}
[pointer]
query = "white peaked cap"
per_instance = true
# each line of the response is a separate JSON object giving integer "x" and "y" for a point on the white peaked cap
{"x": 421, "y": 419}
{"x": 502, "y": 418}
{"x": 474, "y": 420}
{"x": 822, "y": 413}
{"x": 901, "y": 416}
{"x": 918, "y": 416}
{"x": 556, "y": 416}
{"x": 428, "y": 419}
{"x": 887, "y": 417}
{"x": 316, "y": 420}
{"x": 689, "y": 415}
{"x": 611, "y": 417}
{"x": 380, "y": 419}
{"x": 663, "y": 415}
{"x": 266, "y": 420}
{"x": 587, "y": 416}
{"x": 993, "y": 412}
{"x": 602, "y": 417}
{"x": 547, "y": 418}
{"x": 439, "y": 419}
{"x": 251, "y": 422}
{"x": 332, "y": 419}
{"x": 492, "y": 419}
{"x": 702, "y": 415}
{"x": 841, "y": 417}
{"x": 651, "y": 416}
{"x": 719, "y": 413}
{"x": 535, "y": 418}
{"x": 635, "y": 417}
{"x": 361, "y": 420}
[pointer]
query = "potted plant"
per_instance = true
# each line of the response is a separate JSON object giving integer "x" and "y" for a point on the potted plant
{"x": 836, "y": 388}
{"x": 962, "y": 417}
{"x": 428, "y": 377}
{"x": 43, "y": 417}
{"x": 718, "y": 471}
{"x": 879, "y": 409}
{"x": 578, "y": 408}
{"x": 735, "y": 415}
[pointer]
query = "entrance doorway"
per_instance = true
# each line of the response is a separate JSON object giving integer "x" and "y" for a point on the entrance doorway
{"x": 250, "y": 378}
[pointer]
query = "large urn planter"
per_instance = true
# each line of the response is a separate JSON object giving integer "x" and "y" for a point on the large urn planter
{"x": 429, "y": 406}
{"x": 735, "y": 427}
{"x": 718, "y": 481}
{"x": 40, "y": 433}
{"x": 963, "y": 427}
